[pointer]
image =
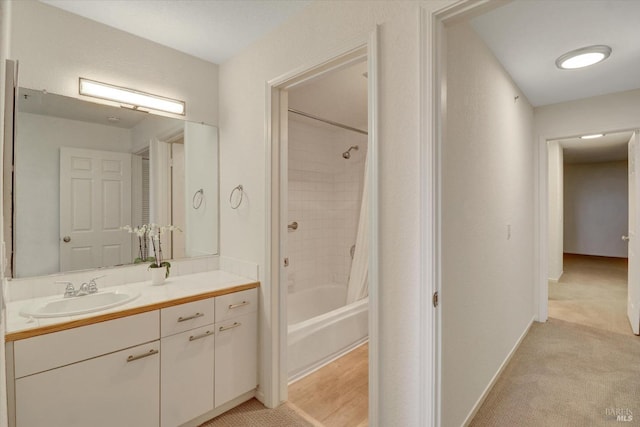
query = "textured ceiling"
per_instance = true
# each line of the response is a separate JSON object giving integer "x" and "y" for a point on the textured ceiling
{"x": 213, "y": 30}
{"x": 609, "y": 148}
{"x": 527, "y": 37}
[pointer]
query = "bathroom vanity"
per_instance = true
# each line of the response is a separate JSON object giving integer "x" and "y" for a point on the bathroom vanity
{"x": 178, "y": 355}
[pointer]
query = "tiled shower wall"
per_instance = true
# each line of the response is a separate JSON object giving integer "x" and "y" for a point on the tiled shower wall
{"x": 325, "y": 192}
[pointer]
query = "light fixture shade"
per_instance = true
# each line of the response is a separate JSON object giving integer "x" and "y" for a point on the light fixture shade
{"x": 130, "y": 97}
{"x": 583, "y": 57}
{"x": 593, "y": 136}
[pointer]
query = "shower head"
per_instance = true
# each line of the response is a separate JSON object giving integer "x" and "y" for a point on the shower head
{"x": 347, "y": 154}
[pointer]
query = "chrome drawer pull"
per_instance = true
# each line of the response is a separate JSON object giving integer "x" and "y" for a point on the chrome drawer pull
{"x": 226, "y": 328}
{"x": 142, "y": 356}
{"x": 240, "y": 304}
{"x": 197, "y": 337}
{"x": 195, "y": 316}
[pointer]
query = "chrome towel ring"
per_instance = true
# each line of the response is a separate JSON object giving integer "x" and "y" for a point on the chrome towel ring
{"x": 198, "y": 197}
{"x": 241, "y": 190}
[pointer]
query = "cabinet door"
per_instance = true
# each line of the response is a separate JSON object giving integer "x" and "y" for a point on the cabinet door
{"x": 236, "y": 357}
{"x": 118, "y": 389}
{"x": 187, "y": 375}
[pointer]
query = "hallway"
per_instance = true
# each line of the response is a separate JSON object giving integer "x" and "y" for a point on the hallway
{"x": 592, "y": 292}
{"x": 572, "y": 370}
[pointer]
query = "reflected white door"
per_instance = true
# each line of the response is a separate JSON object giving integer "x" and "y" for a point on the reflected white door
{"x": 178, "y": 201}
{"x": 95, "y": 201}
{"x": 633, "y": 292}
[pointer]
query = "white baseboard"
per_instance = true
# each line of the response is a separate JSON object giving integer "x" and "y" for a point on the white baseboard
{"x": 556, "y": 280}
{"x": 260, "y": 396}
{"x": 493, "y": 381}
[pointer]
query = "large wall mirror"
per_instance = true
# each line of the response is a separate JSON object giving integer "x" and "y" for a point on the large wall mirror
{"x": 83, "y": 170}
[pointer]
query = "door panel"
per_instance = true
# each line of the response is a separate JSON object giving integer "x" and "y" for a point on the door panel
{"x": 633, "y": 292}
{"x": 95, "y": 201}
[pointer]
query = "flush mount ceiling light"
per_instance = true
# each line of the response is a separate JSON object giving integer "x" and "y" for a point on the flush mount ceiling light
{"x": 583, "y": 57}
{"x": 594, "y": 136}
{"x": 131, "y": 97}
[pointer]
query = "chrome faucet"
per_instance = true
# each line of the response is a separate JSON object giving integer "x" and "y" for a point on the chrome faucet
{"x": 90, "y": 287}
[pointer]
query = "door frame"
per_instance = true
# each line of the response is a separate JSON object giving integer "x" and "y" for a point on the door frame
{"x": 544, "y": 222}
{"x": 432, "y": 115}
{"x": 276, "y": 147}
{"x": 160, "y": 177}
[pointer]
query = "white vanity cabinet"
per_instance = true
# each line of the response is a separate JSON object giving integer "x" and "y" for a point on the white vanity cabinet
{"x": 90, "y": 376}
{"x": 176, "y": 364}
{"x": 187, "y": 362}
{"x": 118, "y": 389}
{"x": 236, "y": 364}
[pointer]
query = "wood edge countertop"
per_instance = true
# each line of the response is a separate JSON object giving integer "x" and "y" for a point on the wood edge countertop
{"x": 42, "y": 330}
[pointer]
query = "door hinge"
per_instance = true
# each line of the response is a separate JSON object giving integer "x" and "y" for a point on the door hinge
{"x": 436, "y": 301}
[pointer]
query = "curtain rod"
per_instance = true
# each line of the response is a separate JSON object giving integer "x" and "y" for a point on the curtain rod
{"x": 330, "y": 122}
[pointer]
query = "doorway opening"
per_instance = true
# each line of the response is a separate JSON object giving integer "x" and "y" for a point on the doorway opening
{"x": 327, "y": 245}
{"x": 588, "y": 230}
{"x": 323, "y": 230}
{"x": 168, "y": 198}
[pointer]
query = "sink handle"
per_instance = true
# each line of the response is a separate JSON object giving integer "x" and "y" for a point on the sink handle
{"x": 93, "y": 286}
{"x": 69, "y": 290}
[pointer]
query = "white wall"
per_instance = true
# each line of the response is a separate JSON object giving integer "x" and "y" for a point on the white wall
{"x": 487, "y": 185}
{"x": 325, "y": 193}
{"x": 308, "y": 37}
{"x": 556, "y": 210}
{"x": 606, "y": 113}
{"x": 55, "y": 48}
{"x": 37, "y": 182}
{"x": 596, "y": 204}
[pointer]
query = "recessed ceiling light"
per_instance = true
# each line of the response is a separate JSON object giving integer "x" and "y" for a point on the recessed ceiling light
{"x": 594, "y": 136}
{"x": 583, "y": 57}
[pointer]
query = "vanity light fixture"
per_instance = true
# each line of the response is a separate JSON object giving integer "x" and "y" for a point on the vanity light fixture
{"x": 131, "y": 97}
{"x": 583, "y": 57}
{"x": 594, "y": 136}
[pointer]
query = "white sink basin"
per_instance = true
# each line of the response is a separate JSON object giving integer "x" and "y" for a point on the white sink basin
{"x": 62, "y": 307}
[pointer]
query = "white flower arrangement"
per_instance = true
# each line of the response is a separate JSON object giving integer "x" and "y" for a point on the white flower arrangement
{"x": 152, "y": 232}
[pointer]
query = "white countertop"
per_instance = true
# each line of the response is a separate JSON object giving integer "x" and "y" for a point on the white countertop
{"x": 173, "y": 288}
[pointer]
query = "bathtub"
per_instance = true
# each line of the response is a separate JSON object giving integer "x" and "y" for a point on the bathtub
{"x": 322, "y": 328}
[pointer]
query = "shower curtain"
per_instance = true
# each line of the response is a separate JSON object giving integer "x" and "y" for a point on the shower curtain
{"x": 358, "y": 286}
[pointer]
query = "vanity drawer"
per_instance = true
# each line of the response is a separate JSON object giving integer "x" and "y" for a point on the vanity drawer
{"x": 187, "y": 316}
{"x": 50, "y": 351}
{"x": 236, "y": 304}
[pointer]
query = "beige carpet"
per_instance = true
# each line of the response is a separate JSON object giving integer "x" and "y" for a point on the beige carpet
{"x": 592, "y": 292}
{"x": 253, "y": 414}
{"x": 566, "y": 374}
